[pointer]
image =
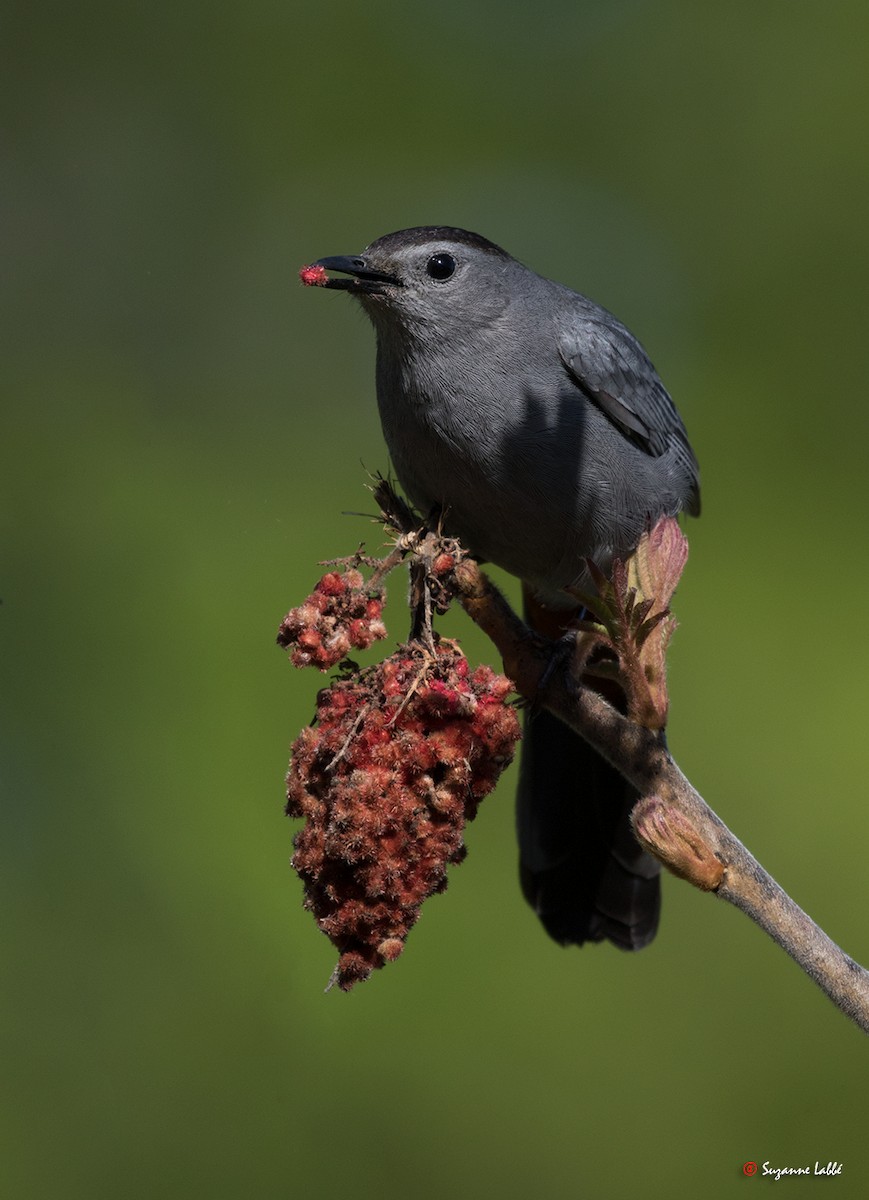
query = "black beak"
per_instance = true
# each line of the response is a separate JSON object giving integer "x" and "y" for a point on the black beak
{"x": 365, "y": 278}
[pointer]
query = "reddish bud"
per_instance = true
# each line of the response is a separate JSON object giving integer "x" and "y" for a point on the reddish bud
{"x": 313, "y": 276}
{"x": 442, "y": 564}
{"x": 390, "y": 948}
{"x": 333, "y": 584}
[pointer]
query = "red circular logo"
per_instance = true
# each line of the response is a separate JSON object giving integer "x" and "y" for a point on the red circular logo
{"x": 749, "y": 1168}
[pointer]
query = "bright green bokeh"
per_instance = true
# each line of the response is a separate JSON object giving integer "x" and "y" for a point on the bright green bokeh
{"x": 184, "y": 428}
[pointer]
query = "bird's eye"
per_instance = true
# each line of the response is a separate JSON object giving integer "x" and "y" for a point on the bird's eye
{"x": 441, "y": 266}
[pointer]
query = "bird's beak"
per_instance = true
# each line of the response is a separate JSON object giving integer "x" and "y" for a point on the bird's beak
{"x": 364, "y": 278}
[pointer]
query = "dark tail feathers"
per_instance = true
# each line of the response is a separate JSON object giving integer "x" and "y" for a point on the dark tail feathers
{"x": 582, "y": 869}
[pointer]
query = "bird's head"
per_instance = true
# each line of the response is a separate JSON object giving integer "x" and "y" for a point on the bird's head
{"x": 433, "y": 277}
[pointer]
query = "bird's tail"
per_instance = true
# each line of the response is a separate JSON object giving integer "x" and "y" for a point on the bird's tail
{"x": 582, "y": 869}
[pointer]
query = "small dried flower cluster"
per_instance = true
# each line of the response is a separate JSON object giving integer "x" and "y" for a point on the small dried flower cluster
{"x": 632, "y": 622}
{"x": 397, "y": 762}
{"x": 339, "y": 615}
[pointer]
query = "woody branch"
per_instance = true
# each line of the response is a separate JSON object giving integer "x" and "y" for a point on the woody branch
{"x": 671, "y": 820}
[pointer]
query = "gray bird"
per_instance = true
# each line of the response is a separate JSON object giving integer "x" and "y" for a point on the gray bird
{"x": 535, "y": 423}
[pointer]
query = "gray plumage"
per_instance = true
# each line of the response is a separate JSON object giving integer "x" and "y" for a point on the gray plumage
{"x": 534, "y": 421}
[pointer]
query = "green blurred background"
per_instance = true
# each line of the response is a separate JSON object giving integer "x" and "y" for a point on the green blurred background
{"x": 184, "y": 427}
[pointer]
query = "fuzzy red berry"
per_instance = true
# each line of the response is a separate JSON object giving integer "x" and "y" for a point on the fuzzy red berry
{"x": 313, "y": 276}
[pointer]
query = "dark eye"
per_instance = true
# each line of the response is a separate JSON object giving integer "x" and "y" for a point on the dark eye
{"x": 441, "y": 266}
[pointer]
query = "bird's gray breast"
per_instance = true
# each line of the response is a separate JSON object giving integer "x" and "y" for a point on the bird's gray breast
{"x": 529, "y": 474}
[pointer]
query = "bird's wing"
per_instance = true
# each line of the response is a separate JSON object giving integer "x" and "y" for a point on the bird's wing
{"x": 608, "y": 364}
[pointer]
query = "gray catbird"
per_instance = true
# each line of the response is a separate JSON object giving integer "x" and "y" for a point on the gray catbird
{"x": 535, "y": 424}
